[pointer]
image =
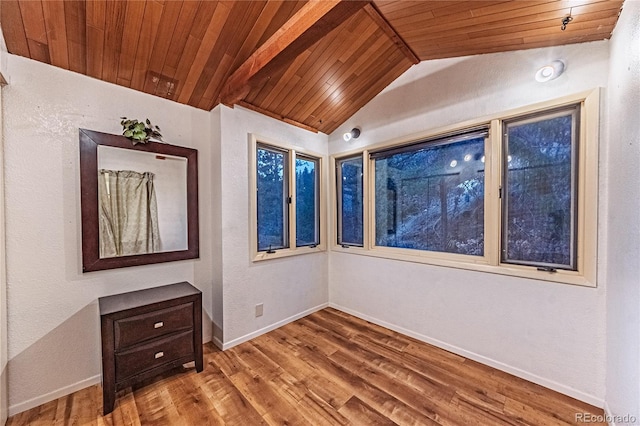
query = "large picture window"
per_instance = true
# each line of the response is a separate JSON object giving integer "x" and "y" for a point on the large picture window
{"x": 513, "y": 194}
{"x": 430, "y": 195}
{"x": 287, "y": 203}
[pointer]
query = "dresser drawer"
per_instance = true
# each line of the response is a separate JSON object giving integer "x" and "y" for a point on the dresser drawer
{"x": 157, "y": 352}
{"x": 136, "y": 329}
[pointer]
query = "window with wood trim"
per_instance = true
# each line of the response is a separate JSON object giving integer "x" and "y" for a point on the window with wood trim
{"x": 287, "y": 204}
{"x": 514, "y": 194}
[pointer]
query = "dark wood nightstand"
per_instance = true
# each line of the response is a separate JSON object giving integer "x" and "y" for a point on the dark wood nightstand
{"x": 147, "y": 332}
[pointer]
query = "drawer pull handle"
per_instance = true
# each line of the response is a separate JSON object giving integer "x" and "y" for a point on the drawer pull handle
{"x": 158, "y": 324}
{"x": 159, "y": 355}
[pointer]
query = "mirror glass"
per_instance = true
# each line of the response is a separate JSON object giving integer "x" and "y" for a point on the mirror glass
{"x": 139, "y": 202}
{"x": 142, "y": 198}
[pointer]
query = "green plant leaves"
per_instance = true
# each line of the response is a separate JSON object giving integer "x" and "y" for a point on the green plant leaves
{"x": 139, "y": 131}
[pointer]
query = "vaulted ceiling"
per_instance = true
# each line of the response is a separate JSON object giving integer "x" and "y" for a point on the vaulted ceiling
{"x": 309, "y": 63}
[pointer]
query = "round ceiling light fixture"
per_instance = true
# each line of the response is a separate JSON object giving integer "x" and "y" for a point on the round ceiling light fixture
{"x": 550, "y": 71}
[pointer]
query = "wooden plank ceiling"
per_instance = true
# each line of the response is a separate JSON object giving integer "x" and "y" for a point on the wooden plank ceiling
{"x": 313, "y": 64}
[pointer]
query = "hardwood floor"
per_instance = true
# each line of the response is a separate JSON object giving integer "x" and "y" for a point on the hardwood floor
{"x": 328, "y": 368}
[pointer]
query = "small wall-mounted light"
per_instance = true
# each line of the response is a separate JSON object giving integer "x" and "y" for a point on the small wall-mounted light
{"x": 353, "y": 134}
{"x": 550, "y": 71}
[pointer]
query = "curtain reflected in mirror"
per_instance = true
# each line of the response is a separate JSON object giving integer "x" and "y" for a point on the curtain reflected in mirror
{"x": 143, "y": 202}
{"x": 128, "y": 213}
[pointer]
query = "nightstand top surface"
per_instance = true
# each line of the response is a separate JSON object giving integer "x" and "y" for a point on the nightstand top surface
{"x": 148, "y": 296}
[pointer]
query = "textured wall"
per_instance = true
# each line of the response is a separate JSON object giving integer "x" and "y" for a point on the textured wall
{"x": 553, "y": 334}
{"x": 623, "y": 221}
{"x": 54, "y": 337}
{"x": 215, "y": 210}
{"x": 287, "y": 286}
{"x": 3, "y": 276}
{"x": 4, "y": 400}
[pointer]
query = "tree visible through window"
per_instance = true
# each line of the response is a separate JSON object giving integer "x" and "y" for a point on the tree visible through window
{"x": 540, "y": 190}
{"x": 431, "y": 196}
{"x": 278, "y": 206}
{"x": 350, "y": 201}
{"x": 273, "y": 194}
{"x": 307, "y": 205}
{"x": 515, "y": 194}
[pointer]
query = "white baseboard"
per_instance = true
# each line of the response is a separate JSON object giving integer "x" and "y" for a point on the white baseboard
{"x": 558, "y": 387}
{"x": 58, "y": 393}
{"x": 268, "y": 328}
{"x": 218, "y": 343}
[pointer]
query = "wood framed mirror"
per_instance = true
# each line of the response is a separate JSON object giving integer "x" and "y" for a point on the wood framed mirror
{"x": 139, "y": 203}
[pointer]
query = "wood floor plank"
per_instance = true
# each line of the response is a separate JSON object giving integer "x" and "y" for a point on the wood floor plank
{"x": 309, "y": 378}
{"x": 359, "y": 412}
{"x": 315, "y": 410}
{"x": 265, "y": 399}
{"x": 328, "y": 368}
{"x": 366, "y": 391}
{"x": 229, "y": 404}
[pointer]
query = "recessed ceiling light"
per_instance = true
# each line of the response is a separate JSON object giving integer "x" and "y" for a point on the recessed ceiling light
{"x": 550, "y": 71}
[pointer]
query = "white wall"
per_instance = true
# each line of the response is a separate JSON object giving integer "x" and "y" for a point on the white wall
{"x": 553, "y": 334}
{"x": 54, "y": 336}
{"x": 3, "y": 276}
{"x": 623, "y": 219}
{"x": 215, "y": 210}
{"x": 3, "y": 290}
{"x": 288, "y": 287}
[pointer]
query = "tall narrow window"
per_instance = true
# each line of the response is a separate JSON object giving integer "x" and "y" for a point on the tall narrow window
{"x": 540, "y": 189}
{"x": 272, "y": 198}
{"x": 307, "y": 201}
{"x": 350, "y": 201}
{"x": 430, "y": 195}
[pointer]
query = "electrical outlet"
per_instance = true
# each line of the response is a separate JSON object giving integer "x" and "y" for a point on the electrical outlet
{"x": 259, "y": 309}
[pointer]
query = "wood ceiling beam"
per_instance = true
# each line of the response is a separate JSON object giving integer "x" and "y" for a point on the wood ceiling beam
{"x": 310, "y": 24}
{"x": 377, "y": 17}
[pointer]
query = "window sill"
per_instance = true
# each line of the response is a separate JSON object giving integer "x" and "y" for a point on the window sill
{"x": 472, "y": 263}
{"x": 278, "y": 254}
